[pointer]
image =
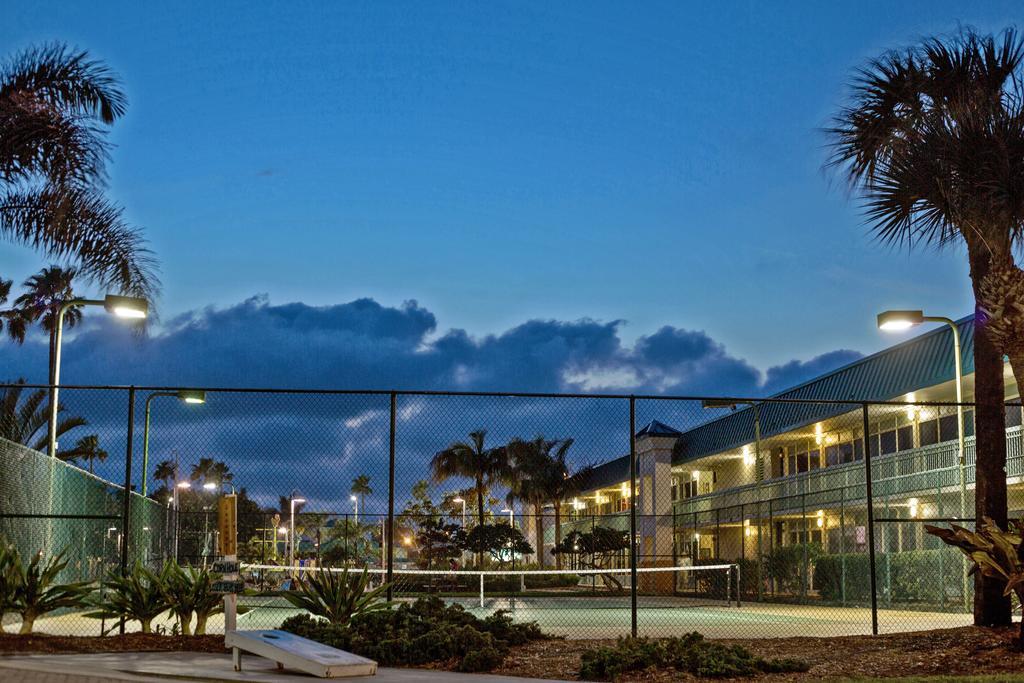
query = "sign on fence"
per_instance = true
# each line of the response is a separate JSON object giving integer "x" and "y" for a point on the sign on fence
{"x": 227, "y": 524}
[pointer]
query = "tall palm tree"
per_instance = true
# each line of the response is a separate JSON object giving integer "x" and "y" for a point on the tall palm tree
{"x": 24, "y": 418}
{"x": 45, "y": 293}
{"x": 934, "y": 143}
{"x": 87, "y": 449}
{"x": 563, "y": 486}
{"x": 55, "y": 108}
{"x": 538, "y": 473}
{"x": 201, "y": 470}
{"x": 12, "y": 317}
{"x": 473, "y": 460}
{"x": 361, "y": 488}
{"x": 166, "y": 471}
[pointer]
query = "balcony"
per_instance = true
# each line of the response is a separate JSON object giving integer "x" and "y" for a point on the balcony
{"x": 931, "y": 468}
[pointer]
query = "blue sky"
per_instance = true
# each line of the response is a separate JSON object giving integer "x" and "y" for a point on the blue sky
{"x": 501, "y": 163}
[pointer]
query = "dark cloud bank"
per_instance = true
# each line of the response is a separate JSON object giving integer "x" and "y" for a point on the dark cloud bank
{"x": 275, "y": 442}
{"x": 364, "y": 345}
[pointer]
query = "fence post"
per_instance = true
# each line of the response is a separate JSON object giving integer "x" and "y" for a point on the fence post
{"x": 871, "y": 520}
{"x": 126, "y": 505}
{"x": 632, "y": 513}
{"x": 391, "y": 496}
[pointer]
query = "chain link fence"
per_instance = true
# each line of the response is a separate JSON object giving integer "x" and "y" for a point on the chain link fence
{"x": 595, "y": 516}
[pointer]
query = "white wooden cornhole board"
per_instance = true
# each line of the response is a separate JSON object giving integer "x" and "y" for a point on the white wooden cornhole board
{"x": 295, "y": 652}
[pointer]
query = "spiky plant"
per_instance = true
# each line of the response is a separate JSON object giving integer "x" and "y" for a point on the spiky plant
{"x": 37, "y": 591}
{"x": 8, "y": 581}
{"x": 995, "y": 554}
{"x": 337, "y": 596}
{"x": 137, "y": 596}
{"x": 188, "y": 591}
{"x": 205, "y": 602}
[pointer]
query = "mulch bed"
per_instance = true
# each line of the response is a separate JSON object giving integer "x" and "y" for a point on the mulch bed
{"x": 11, "y": 644}
{"x": 949, "y": 652}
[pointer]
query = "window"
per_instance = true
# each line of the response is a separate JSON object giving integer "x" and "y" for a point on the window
{"x": 846, "y": 452}
{"x": 887, "y": 442}
{"x": 1013, "y": 417}
{"x": 929, "y": 432}
{"x": 832, "y": 456}
{"x": 905, "y": 437}
{"x": 947, "y": 428}
{"x": 815, "y": 459}
{"x": 792, "y": 465}
{"x": 801, "y": 462}
{"x": 858, "y": 449}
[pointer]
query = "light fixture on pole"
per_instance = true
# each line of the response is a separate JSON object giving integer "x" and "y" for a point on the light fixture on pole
{"x": 511, "y": 522}
{"x": 460, "y": 499}
{"x": 355, "y": 506}
{"x": 191, "y": 396}
{"x": 291, "y": 524}
{"x": 758, "y": 463}
{"x": 894, "y": 321}
{"x": 120, "y": 306}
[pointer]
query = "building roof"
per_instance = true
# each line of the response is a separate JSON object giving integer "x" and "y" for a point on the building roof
{"x": 923, "y": 361}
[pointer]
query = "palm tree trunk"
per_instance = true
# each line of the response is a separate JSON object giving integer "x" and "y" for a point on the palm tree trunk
{"x": 558, "y": 531}
{"x": 991, "y": 607}
{"x": 480, "y": 515}
{"x": 538, "y": 516}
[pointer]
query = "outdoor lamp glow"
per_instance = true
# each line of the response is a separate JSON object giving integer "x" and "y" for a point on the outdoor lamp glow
{"x": 458, "y": 499}
{"x": 122, "y": 307}
{"x": 897, "y": 321}
{"x": 283, "y": 531}
{"x": 184, "y": 485}
{"x": 185, "y": 396}
{"x": 210, "y": 485}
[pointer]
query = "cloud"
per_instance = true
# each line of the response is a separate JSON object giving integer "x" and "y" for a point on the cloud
{"x": 317, "y": 443}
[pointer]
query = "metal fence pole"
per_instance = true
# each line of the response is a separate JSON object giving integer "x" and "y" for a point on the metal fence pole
{"x": 632, "y": 512}
{"x": 871, "y": 520}
{"x": 391, "y": 497}
{"x": 127, "y": 502}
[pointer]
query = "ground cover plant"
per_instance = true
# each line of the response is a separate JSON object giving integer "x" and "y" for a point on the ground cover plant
{"x": 426, "y": 631}
{"x": 690, "y": 654}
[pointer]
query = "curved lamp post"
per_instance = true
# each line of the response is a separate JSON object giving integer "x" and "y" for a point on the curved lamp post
{"x": 897, "y": 321}
{"x": 185, "y": 396}
{"x": 123, "y": 307}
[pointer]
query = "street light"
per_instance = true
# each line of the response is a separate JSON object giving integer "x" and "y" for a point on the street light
{"x": 291, "y": 524}
{"x": 355, "y": 505}
{"x": 758, "y": 463}
{"x": 511, "y": 522}
{"x": 904, "y": 320}
{"x": 190, "y": 396}
{"x": 460, "y": 499}
{"x": 120, "y": 306}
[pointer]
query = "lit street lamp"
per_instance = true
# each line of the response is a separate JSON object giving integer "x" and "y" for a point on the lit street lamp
{"x": 355, "y": 506}
{"x": 120, "y": 306}
{"x": 895, "y": 321}
{"x": 291, "y": 524}
{"x": 511, "y": 522}
{"x": 460, "y": 499}
{"x": 185, "y": 396}
{"x": 181, "y": 485}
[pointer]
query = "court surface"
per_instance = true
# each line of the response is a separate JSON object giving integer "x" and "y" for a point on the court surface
{"x": 608, "y": 619}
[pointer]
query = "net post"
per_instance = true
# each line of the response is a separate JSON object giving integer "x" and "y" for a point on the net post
{"x": 127, "y": 504}
{"x": 871, "y": 520}
{"x": 481, "y": 590}
{"x": 739, "y": 584}
{"x": 390, "y": 535}
{"x": 632, "y": 514}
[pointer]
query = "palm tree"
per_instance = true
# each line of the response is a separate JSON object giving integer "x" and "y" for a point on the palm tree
{"x": 563, "y": 486}
{"x": 934, "y": 142}
{"x": 45, "y": 293}
{"x": 24, "y": 418}
{"x": 471, "y": 459}
{"x": 88, "y": 449}
{"x": 540, "y": 476}
{"x": 16, "y": 324}
{"x": 201, "y": 470}
{"x": 55, "y": 107}
{"x": 166, "y": 471}
{"x": 361, "y": 487}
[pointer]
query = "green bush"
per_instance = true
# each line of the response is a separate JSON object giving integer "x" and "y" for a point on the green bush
{"x": 419, "y": 633}
{"x": 337, "y": 596}
{"x": 828, "y": 577}
{"x": 690, "y": 654}
{"x": 786, "y": 567}
{"x": 913, "y": 576}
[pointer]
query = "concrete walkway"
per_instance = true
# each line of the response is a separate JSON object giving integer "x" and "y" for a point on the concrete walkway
{"x": 189, "y": 666}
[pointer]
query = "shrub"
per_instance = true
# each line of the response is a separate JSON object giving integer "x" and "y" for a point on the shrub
{"x": 140, "y": 596}
{"x": 829, "y": 578}
{"x": 422, "y": 632}
{"x": 36, "y": 591}
{"x": 785, "y": 565}
{"x": 690, "y": 654}
{"x": 336, "y": 596}
{"x": 188, "y": 591}
{"x": 913, "y": 576}
{"x": 8, "y": 581}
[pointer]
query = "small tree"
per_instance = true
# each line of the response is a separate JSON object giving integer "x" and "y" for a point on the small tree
{"x": 437, "y": 541}
{"x": 37, "y": 592}
{"x": 500, "y": 541}
{"x": 595, "y": 549}
{"x": 138, "y": 596}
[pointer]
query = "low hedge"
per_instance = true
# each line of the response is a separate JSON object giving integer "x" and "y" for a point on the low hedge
{"x": 422, "y": 632}
{"x": 913, "y": 576}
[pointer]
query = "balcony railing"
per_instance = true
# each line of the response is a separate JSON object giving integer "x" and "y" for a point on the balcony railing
{"x": 926, "y": 469}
